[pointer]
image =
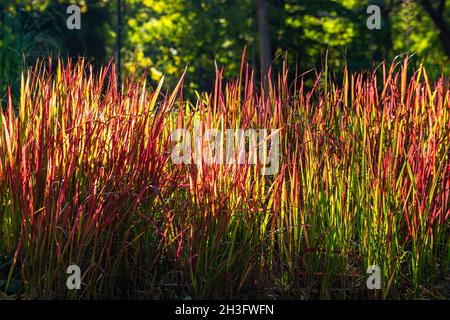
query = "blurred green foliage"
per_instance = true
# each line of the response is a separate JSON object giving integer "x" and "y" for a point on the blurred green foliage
{"x": 163, "y": 36}
{"x": 32, "y": 29}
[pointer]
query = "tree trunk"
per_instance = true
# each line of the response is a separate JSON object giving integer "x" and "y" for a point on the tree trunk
{"x": 264, "y": 40}
{"x": 119, "y": 45}
{"x": 437, "y": 16}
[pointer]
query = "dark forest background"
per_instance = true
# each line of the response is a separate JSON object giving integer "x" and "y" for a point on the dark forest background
{"x": 163, "y": 36}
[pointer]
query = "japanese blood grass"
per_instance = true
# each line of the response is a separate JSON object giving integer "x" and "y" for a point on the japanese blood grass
{"x": 87, "y": 178}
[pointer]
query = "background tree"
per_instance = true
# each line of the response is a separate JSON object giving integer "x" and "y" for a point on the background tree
{"x": 265, "y": 50}
{"x": 164, "y": 36}
{"x": 440, "y": 16}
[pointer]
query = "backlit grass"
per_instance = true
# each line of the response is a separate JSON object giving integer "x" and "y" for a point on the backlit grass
{"x": 86, "y": 177}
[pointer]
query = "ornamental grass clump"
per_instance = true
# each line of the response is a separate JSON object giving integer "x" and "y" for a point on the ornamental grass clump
{"x": 87, "y": 177}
